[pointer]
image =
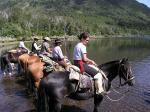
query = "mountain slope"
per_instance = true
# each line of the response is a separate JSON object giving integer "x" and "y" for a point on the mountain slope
{"x": 54, "y": 17}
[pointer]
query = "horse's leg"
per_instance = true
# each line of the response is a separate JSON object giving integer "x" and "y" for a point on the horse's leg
{"x": 55, "y": 104}
{"x": 28, "y": 81}
{"x": 55, "y": 100}
{"x": 97, "y": 101}
{"x": 19, "y": 69}
{"x": 42, "y": 100}
{"x": 10, "y": 69}
{"x": 3, "y": 65}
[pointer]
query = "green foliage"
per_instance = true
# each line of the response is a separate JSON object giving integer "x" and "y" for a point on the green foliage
{"x": 12, "y": 30}
{"x": 56, "y": 17}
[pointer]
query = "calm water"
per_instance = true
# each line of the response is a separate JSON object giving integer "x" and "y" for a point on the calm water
{"x": 13, "y": 96}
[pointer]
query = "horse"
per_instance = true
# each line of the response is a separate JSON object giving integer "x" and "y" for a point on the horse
{"x": 57, "y": 85}
{"x": 32, "y": 69}
{"x": 8, "y": 58}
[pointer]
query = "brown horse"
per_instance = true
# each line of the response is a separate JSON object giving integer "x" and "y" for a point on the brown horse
{"x": 33, "y": 70}
{"x": 22, "y": 61}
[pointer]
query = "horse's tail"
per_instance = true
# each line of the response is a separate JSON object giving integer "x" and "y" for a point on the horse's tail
{"x": 43, "y": 99}
{"x": 26, "y": 65}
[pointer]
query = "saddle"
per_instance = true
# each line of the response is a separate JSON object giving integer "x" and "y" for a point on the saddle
{"x": 50, "y": 65}
{"x": 85, "y": 81}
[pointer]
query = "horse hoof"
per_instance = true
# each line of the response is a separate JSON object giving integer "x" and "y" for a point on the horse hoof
{"x": 4, "y": 74}
{"x": 10, "y": 74}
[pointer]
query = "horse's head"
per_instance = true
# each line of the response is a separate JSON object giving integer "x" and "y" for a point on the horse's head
{"x": 125, "y": 72}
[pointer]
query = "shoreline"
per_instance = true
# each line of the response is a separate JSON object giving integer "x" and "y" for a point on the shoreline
{"x": 72, "y": 38}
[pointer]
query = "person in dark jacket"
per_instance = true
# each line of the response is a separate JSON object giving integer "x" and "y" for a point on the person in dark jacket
{"x": 35, "y": 48}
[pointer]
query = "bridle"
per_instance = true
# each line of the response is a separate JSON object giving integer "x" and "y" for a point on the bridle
{"x": 125, "y": 75}
{"x": 121, "y": 84}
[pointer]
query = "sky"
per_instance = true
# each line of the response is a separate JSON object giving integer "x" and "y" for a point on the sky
{"x": 146, "y": 2}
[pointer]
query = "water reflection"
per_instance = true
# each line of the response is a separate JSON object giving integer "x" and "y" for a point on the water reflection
{"x": 103, "y": 50}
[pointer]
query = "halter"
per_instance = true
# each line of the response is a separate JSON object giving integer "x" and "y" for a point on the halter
{"x": 126, "y": 76}
{"x": 121, "y": 84}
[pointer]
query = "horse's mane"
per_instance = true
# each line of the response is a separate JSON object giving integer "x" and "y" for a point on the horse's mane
{"x": 109, "y": 63}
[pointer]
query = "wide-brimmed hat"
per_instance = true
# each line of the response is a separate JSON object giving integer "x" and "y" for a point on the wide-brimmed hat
{"x": 35, "y": 38}
{"x": 58, "y": 41}
{"x": 47, "y": 38}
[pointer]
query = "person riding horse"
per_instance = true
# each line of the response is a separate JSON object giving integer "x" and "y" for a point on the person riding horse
{"x": 35, "y": 48}
{"x": 57, "y": 54}
{"x": 55, "y": 86}
{"x": 85, "y": 64}
{"x": 22, "y": 46}
{"x": 45, "y": 48}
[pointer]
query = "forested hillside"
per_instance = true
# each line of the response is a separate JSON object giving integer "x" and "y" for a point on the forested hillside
{"x": 54, "y": 17}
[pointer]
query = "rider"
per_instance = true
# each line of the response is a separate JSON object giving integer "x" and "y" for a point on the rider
{"x": 45, "y": 48}
{"x": 84, "y": 63}
{"x": 22, "y": 45}
{"x": 57, "y": 53}
{"x": 35, "y": 48}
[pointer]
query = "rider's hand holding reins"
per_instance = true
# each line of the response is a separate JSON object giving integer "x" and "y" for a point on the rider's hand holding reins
{"x": 92, "y": 62}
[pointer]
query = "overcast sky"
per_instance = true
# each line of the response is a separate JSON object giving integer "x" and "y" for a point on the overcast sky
{"x": 146, "y": 2}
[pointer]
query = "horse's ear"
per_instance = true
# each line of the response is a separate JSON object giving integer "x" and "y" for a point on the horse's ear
{"x": 123, "y": 60}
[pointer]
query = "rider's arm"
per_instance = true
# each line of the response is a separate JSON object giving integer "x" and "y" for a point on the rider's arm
{"x": 47, "y": 48}
{"x": 87, "y": 60}
{"x": 36, "y": 47}
{"x": 84, "y": 56}
{"x": 60, "y": 54}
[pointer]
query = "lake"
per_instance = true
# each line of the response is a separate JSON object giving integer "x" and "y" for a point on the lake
{"x": 14, "y": 98}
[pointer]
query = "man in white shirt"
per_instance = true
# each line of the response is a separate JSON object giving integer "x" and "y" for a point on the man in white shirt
{"x": 58, "y": 55}
{"x": 22, "y": 45}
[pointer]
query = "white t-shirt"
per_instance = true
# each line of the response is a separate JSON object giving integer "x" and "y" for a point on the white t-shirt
{"x": 57, "y": 53}
{"x": 79, "y": 50}
{"x": 21, "y": 44}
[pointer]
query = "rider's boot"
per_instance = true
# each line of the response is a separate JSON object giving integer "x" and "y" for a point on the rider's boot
{"x": 99, "y": 84}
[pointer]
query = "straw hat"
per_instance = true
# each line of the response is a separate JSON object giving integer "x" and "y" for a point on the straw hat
{"x": 47, "y": 38}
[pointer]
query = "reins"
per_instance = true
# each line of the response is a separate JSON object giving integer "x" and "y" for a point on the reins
{"x": 115, "y": 100}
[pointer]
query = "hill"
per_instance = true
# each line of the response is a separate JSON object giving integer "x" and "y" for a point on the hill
{"x": 54, "y": 17}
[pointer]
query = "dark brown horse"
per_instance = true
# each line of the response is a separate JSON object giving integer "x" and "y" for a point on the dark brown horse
{"x": 8, "y": 58}
{"x": 56, "y": 85}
